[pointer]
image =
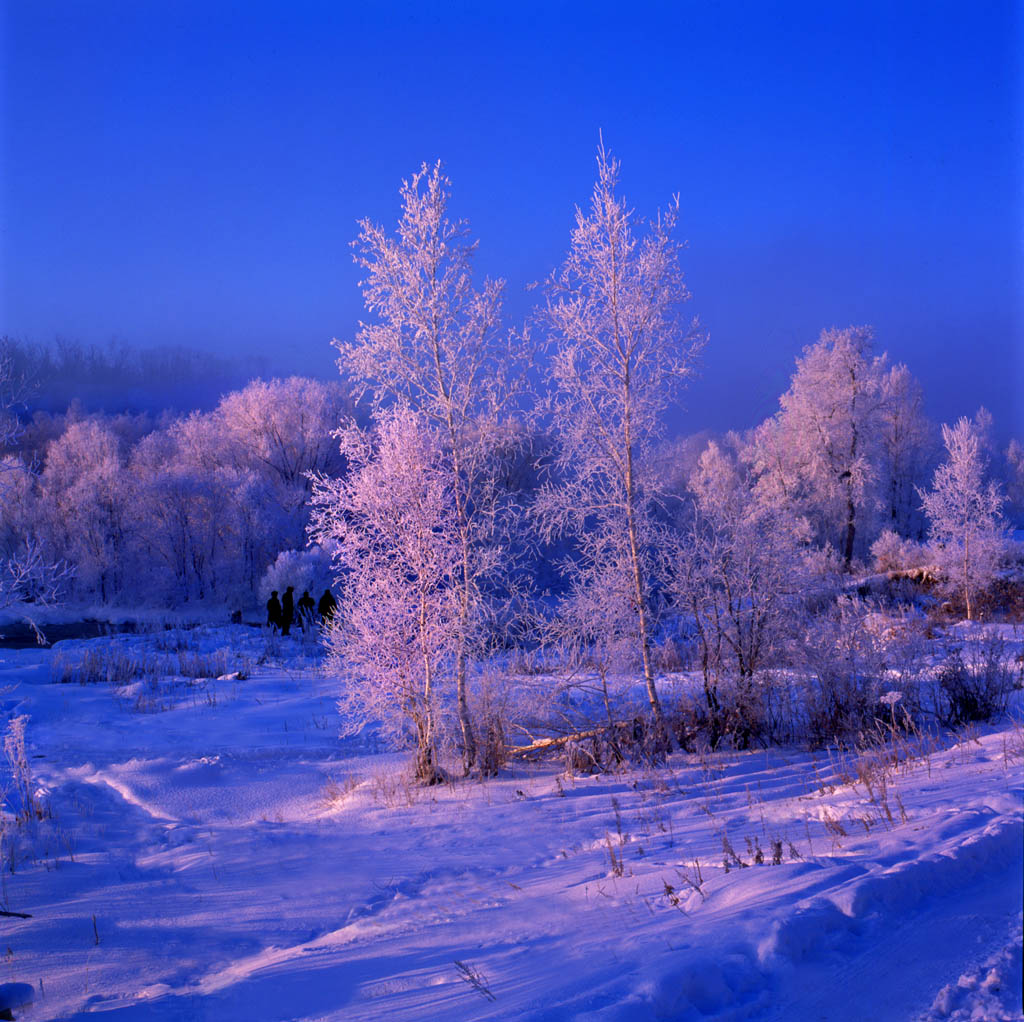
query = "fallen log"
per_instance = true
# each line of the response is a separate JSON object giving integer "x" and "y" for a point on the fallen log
{"x": 542, "y": 744}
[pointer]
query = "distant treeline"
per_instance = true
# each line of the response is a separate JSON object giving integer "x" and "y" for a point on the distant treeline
{"x": 116, "y": 378}
{"x": 169, "y": 508}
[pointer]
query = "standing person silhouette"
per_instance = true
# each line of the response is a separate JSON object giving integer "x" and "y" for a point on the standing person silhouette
{"x": 327, "y": 606}
{"x": 305, "y": 607}
{"x": 287, "y": 610}
{"x": 274, "y": 611}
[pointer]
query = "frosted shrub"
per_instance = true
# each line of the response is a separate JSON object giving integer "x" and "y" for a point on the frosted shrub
{"x": 674, "y": 655}
{"x": 740, "y": 570}
{"x": 594, "y": 640}
{"x": 845, "y": 668}
{"x": 974, "y": 684}
{"x": 491, "y": 705}
{"x": 739, "y": 711}
{"x": 900, "y": 639}
{"x": 306, "y": 570}
{"x": 492, "y": 752}
{"x": 892, "y": 552}
{"x": 751, "y": 708}
{"x": 19, "y": 805}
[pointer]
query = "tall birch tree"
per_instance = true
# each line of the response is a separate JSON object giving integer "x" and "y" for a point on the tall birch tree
{"x": 393, "y": 526}
{"x": 435, "y": 344}
{"x": 964, "y": 514}
{"x": 621, "y": 352}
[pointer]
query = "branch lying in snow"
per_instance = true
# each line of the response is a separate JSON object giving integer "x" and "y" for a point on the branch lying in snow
{"x": 923, "y": 573}
{"x": 542, "y": 744}
{"x": 16, "y": 915}
{"x": 876, "y": 583}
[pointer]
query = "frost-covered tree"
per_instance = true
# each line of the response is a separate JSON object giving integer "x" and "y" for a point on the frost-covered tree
{"x": 174, "y": 509}
{"x": 286, "y": 428}
{"x": 259, "y": 446}
{"x": 750, "y": 555}
{"x": 217, "y": 496}
{"x": 11, "y": 394}
{"x": 393, "y": 523}
{"x": 89, "y": 499}
{"x": 20, "y": 509}
{"x": 1015, "y": 479}
{"x": 434, "y": 344}
{"x": 309, "y": 569}
{"x": 184, "y": 510}
{"x": 259, "y": 513}
{"x": 621, "y": 351}
{"x": 740, "y": 571}
{"x": 819, "y": 453}
{"x": 964, "y": 514}
{"x": 907, "y": 448}
{"x": 29, "y": 573}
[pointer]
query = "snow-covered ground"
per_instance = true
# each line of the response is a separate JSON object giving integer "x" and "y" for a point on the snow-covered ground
{"x": 212, "y": 850}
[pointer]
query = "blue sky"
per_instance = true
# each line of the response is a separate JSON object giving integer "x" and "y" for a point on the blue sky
{"x": 191, "y": 173}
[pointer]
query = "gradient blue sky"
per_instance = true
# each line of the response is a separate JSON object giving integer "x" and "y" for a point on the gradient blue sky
{"x": 191, "y": 173}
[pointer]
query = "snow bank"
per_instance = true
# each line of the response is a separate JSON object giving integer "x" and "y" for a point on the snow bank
{"x": 229, "y": 857}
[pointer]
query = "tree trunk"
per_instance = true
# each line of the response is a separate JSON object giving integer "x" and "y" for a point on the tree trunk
{"x": 850, "y": 509}
{"x": 426, "y": 760}
{"x": 465, "y": 721}
{"x": 967, "y": 576}
{"x": 639, "y": 589}
{"x": 664, "y": 734}
{"x": 850, "y": 532}
{"x": 542, "y": 744}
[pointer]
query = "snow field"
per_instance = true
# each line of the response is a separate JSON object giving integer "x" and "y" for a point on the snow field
{"x": 230, "y": 857}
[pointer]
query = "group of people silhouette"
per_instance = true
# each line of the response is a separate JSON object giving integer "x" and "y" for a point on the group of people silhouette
{"x": 281, "y": 614}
